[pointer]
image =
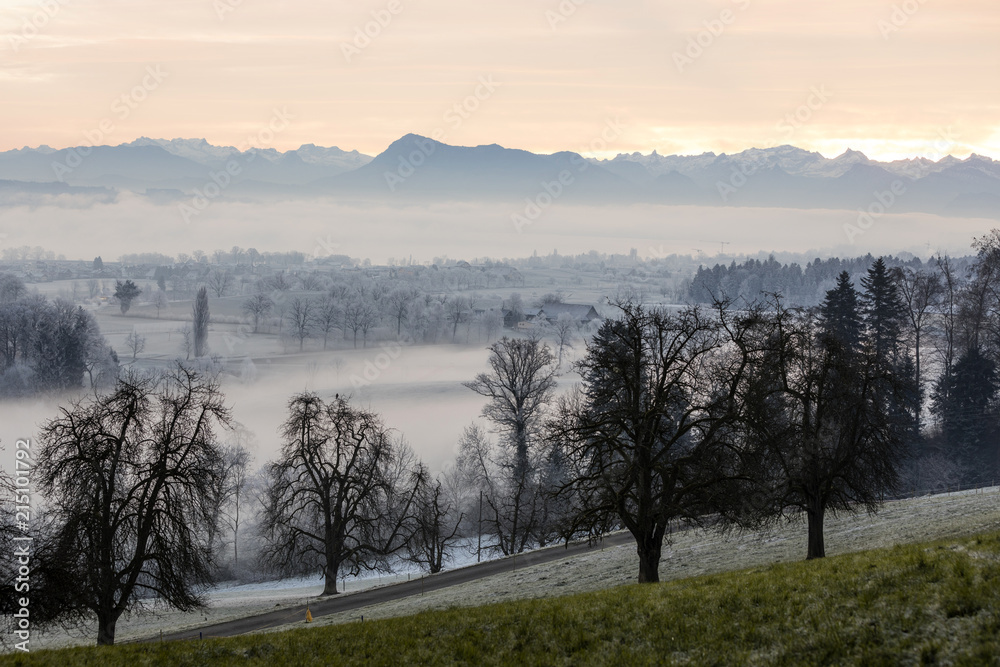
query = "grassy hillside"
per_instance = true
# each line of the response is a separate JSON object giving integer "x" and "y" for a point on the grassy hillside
{"x": 930, "y": 603}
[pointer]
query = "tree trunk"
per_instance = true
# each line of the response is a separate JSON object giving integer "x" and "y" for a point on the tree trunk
{"x": 649, "y": 560}
{"x": 917, "y": 354}
{"x": 330, "y": 582}
{"x": 815, "y": 514}
{"x": 106, "y": 623}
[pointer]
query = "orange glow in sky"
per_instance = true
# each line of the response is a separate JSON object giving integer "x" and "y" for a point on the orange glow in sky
{"x": 892, "y": 79}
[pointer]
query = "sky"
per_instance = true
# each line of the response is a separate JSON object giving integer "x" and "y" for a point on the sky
{"x": 890, "y": 78}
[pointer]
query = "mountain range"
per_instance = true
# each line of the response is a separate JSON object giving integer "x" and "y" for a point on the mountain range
{"x": 416, "y": 168}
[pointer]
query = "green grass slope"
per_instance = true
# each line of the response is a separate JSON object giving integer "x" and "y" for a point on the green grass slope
{"x": 930, "y": 603}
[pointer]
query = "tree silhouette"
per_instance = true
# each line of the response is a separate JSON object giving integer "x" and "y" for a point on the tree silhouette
{"x": 199, "y": 323}
{"x": 126, "y": 292}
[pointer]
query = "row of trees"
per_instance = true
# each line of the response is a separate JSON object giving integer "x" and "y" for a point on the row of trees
{"x": 946, "y": 316}
{"x": 802, "y": 286}
{"x": 352, "y": 311}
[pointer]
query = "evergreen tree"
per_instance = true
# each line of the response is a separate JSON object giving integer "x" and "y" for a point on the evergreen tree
{"x": 815, "y": 425}
{"x": 841, "y": 314}
{"x": 200, "y": 323}
{"x": 884, "y": 317}
{"x": 126, "y": 292}
{"x": 884, "y": 312}
{"x": 965, "y": 401}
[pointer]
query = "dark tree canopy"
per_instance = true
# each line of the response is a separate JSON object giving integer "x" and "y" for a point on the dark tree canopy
{"x": 841, "y": 312}
{"x": 51, "y": 347}
{"x": 12, "y": 288}
{"x": 200, "y": 320}
{"x": 129, "y": 477}
{"x": 437, "y": 523}
{"x": 884, "y": 312}
{"x": 341, "y": 493}
{"x": 649, "y": 437}
{"x": 816, "y": 418}
{"x": 126, "y": 292}
{"x": 967, "y": 407}
{"x": 257, "y": 308}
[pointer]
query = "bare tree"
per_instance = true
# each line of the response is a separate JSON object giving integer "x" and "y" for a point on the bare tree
{"x": 438, "y": 522}
{"x": 518, "y": 388}
{"x": 312, "y": 282}
{"x": 135, "y": 342}
{"x": 359, "y": 316}
{"x": 339, "y": 496}
{"x": 816, "y": 415}
{"x": 199, "y": 323}
{"x": 326, "y": 317}
{"x": 279, "y": 282}
{"x": 492, "y": 323}
{"x": 160, "y": 301}
{"x": 258, "y": 306}
{"x": 300, "y": 319}
{"x": 947, "y": 343}
{"x": 457, "y": 308}
{"x": 400, "y": 301}
{"x": 187, "y": 339}
{"x": 921, "y": 292}
{"x": 220, "y": 281}
{"x": 93, "y": 287}
{"x": 231, "y": 495}
{"x": 645, "y": 436}
{"x": 129, "y": 476}
{"x": 563, "y": 331}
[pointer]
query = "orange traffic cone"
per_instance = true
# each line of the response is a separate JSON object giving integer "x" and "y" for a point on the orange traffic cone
{"x": 309, "y": 616}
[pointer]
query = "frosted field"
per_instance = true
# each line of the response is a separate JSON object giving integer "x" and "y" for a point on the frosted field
{"x": 698, "y": 552}
{"x": 690, "y": 553}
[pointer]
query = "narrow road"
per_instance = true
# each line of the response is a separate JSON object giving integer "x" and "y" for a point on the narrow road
{"x": 340, "y": 603}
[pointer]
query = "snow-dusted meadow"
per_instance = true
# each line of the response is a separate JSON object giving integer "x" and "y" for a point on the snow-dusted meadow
{"x": 690, "y": 553}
